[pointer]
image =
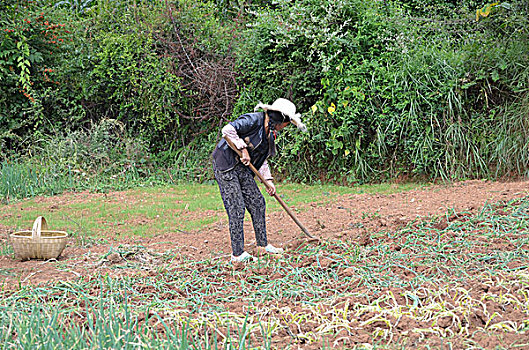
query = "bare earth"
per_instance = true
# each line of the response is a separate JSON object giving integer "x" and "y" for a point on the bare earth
{"x": 349, "y": 217}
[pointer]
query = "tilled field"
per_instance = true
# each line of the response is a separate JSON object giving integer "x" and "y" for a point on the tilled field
{"x": 454, "y": 279}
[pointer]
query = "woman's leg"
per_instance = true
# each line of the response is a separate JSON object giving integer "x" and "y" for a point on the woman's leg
{"x": 256, "y": 205}
{"x": 230, "y": 191}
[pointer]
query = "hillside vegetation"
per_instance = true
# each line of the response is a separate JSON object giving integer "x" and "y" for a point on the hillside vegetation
{"x": 121, "y": 90}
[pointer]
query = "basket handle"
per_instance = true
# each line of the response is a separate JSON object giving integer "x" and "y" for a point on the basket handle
{"x": 39, "y": 225}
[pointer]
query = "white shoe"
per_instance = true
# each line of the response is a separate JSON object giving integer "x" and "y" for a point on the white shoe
{"x": 273, "y": 250}
{"x": 244, "y": 257}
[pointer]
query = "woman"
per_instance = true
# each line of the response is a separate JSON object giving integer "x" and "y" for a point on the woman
{"x": 254, "y": 135}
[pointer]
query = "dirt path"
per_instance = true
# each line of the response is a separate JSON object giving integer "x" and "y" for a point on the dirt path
{"x": 353, "y": 216}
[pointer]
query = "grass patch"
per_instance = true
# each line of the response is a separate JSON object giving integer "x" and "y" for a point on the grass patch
{"x": 6, "y": 249}
{"x": 295, "y": 194}
{"x": 154, "y": 210}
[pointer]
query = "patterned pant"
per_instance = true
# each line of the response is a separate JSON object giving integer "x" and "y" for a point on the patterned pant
{"x": 239, "y": 192}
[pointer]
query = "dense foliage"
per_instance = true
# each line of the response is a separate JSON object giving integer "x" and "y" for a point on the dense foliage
{"x": 30, "y": 44}
{"x": 392, "y": 88}
{"x": 399, "y": 94}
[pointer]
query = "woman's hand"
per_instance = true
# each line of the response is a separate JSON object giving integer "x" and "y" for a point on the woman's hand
{"x": 271, "y": 189}
{"x": 245, "y": 159}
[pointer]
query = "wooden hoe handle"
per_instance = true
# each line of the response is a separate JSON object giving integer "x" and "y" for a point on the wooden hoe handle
{"x": 265, "y": 182}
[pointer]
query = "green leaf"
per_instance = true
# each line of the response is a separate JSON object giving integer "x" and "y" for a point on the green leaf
{"x": 495, "y": 75}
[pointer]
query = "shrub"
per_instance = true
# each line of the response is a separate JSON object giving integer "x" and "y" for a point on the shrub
{"x": 31, "y": 45}
{"x": 386, "y": 93}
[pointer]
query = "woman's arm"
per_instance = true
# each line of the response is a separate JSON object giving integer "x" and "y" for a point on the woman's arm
{"x": 267, "y": 175}
{"x": 230, "y": 132}
{"x": 264, "y": 170}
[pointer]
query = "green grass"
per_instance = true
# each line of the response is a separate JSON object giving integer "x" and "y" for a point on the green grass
{"x": 152, "y": 210}
{"x": 6, "y": 249}
{"x": 27, "y": 178}
{"x": 142, "y": 210}
{"x": 294, "y": 194}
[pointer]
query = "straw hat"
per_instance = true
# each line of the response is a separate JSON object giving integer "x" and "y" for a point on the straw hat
{"x": 287, "y": 108}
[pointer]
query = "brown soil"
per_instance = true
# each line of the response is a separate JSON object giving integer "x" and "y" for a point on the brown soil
{"x": 353, "y": 216}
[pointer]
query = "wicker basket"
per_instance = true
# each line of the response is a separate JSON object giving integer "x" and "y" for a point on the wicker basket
{"x": 39, "y": 243}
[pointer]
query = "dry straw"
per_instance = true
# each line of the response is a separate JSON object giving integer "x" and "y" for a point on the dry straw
{"x": 39, "y": 243}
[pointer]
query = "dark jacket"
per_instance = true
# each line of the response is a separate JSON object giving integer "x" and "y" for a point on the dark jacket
{"x": 250, "y": 128}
